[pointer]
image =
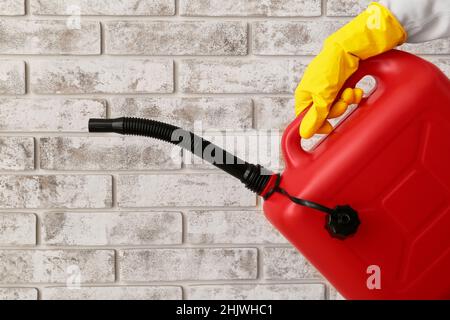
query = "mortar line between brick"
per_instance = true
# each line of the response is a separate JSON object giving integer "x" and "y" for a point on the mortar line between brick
{"x": 120, "y": 57}
{"x": 116, "y": 266}
{"x": 209, "y": 132}
{"x": 114, "y": 204}
{"x": 250, "y": 40}
{"x": 36, "y": 162}
{"x": 138, "y": 210}
{"x": 27, "y": 8}
{"x": 38, "y": 229}
{"x": 226, "y": 58}
{"x": 327, "y": 292}
{"x": 185, "y": 95}
{"x": 102, "y": 39}
{"x": 175, "y": 77}
{"x": 176, "y": 283}
{"x": 259, "y": 264}
{"x": 324, "y": 8}
{"x": 107, "y": 108}
{"x": 177, "y": 8}
{"x": 220, "y": 282}
{"x": 202, "y": 246}
{"x": 37, "y": 153}
{"x": 117, "y": 172}
{"x": 143, "y": 246}
{"x": 176, "y": 18}
{"x": 184, "y": 227}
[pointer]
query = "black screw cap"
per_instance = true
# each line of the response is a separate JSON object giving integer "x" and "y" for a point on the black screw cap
{"x": 343, "y": 222}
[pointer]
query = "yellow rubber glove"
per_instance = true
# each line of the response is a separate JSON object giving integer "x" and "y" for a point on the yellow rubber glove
{"x": 373, "y": 32}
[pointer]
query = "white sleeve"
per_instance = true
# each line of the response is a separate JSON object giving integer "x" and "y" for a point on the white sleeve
{"x": 423, "y": 20}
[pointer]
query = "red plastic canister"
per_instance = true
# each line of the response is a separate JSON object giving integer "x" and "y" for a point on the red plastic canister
{"x": 390, "y": 161}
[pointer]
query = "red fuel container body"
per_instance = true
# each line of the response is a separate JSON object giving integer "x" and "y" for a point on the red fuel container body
{"x": 390, "y": 161}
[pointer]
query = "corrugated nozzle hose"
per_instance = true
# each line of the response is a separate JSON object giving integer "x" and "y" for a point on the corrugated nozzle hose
{"x": 341, "y": 221}
{"x": 255, "y": 177}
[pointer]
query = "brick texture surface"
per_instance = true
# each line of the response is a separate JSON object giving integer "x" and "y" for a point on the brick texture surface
{"x": 189, "y": 190}
{"x": 210, "y": 112}
{"x": 291, "y": 38}
{"x": 104, "y": 7}
{"x": 258, "y": 292}
{"x": 134, "y": 218}
{"x": 240, "y": 76}
{"x": 230, "y": 227}
{"x": 288, "y": 264}
{"x": 12, "y": 77}
{"x": 12, "y": 8}
{"x": 174, "y": 38}
{"x": 16, "y": 153}
{"x": 55, "y": 191}
{"x": 17, "y": 229}
{"x": 188, "y": 264}
{"x": 49, "y": 37}
{"x": 345, "y": 8}
{"x": 112, "y": 153}
{"x": 249, "y": 8}
{"x": 106, "y": 228}
{"x": 56, "y": 266}
{"x": 102, "y": 76}
{"x": 69, "y": 115}
{"x": 113, "y": 293}
{"x": 18, "y": 294}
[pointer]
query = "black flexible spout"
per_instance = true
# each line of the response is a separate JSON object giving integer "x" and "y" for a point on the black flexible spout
{"x": 342, "y": 221}
{"x": 255, "y": 177}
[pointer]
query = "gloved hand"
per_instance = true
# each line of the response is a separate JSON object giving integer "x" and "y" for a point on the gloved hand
{"x": 373, "y": 32}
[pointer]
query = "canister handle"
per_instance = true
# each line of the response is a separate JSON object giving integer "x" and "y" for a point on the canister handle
{"x": 383, "y": 68}
{"x": 291, "y": 143}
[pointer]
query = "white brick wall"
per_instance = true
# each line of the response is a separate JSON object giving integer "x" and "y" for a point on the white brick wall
{"x": 127, "y": 217}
